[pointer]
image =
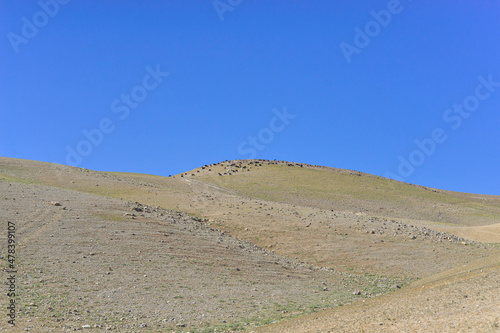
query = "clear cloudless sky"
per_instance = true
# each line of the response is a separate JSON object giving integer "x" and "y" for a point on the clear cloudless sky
{"x": 358, "y": 82}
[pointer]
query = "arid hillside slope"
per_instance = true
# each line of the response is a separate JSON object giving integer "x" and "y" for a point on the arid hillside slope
{"x": 261, "y": 241}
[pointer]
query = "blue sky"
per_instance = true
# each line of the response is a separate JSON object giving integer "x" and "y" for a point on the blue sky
{"x": 406, "y": 89}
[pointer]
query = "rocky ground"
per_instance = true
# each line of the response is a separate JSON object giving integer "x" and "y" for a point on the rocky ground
{"x": 111, "y": 264}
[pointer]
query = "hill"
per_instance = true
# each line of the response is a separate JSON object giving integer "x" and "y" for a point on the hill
{"x": 239, "y": 244}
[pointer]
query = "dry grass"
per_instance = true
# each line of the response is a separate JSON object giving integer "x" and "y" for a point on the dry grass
{"x": 337, "y": 189}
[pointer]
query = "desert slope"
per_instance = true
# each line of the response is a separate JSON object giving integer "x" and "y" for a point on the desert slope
{"x": 330, "y": 188}
{"x": 84, "y": 259}
{"x": 262, "y": 241}
{"x": 463, "y": 299}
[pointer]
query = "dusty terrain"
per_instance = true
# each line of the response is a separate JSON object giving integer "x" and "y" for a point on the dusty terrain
{"x": 464, "y": 299}
{"x": 240, "y": 244}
